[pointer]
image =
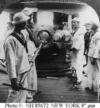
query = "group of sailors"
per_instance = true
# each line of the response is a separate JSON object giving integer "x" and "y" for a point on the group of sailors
{"x": 86, "y": 43}
{"x": 20, "y": 49}
{"x": 85, "y": 54}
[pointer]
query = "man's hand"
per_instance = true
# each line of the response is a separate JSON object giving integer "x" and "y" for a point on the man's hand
{"x": 73, "y": 49}
{"x": 43, "y": 41}
{"x": 93, "y": 61}
{"x": 16, "y": 86}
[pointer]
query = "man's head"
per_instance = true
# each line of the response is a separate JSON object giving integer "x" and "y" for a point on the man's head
{"x": 94, "y": 27}
{"x": 19, "y": 20}
{"x": 65, "y": 25}
{"x": 75, "y": 22}
{"x": 88, "y": 26}
{"x": 29, "y": 12}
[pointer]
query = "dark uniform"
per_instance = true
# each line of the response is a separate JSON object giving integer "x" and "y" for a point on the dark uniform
{"x": 87, "y": 38}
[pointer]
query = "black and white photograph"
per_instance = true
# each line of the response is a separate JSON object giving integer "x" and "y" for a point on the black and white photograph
{"x": 50, "y": 51}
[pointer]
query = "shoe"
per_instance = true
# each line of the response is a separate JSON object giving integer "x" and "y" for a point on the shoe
{"x": 89, "y": 90}
{"x": 29, "y": 100}
{"x": 78, "y": 82}
{"x": 37, "y": 92}
{"x": 78, "y": 85}
{"x": 75, "y": 87}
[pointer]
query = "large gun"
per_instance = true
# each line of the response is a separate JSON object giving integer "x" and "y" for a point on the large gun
{"x": 21, "y": 88}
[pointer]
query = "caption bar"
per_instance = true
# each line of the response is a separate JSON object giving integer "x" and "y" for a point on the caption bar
{"x": 49, "y": 105}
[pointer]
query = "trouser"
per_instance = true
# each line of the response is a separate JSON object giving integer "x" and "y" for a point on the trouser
{"x": 32, "y": 80}
{"x": 93, "y": 74}
{"x": 33, "y": 77}
{"x": 21, "y": 96}
{"x": 86, "y": 50}
{"x": 77, "y": 63}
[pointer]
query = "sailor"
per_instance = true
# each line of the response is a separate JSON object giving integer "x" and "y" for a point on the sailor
{"x": 93, "y": 67}
{"x": 16, "y": 55}
{"x": 77, "y": 50}
{"x": 31, "y": 47}
{"x": 87, "y": 39}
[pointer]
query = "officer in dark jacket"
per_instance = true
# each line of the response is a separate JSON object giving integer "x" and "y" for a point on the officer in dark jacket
{"x": 87, "y": 39}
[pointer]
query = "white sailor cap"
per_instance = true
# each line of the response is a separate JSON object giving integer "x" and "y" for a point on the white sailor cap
{"x": 28, "y": 11}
